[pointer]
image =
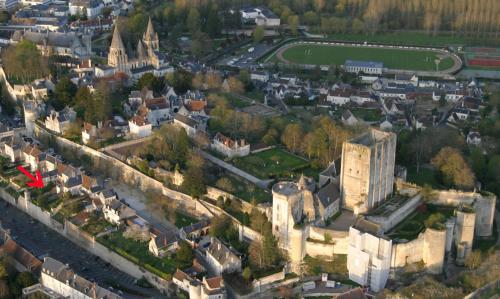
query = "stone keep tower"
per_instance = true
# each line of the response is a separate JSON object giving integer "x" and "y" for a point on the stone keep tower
{"x": 117, "y": 56}
{"x": 367, "y": 172}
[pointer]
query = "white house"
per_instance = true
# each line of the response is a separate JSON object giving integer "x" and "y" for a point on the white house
{"x": 60, "y": 121}
{"x": 221, "y": 259}
{"x": 339, "y": 96}
{"x": 261, "y": 16}
{"x": 189, "y": 124}
{"x": 473, "y": 138}
{"x": 116, "y": 212}
{"x": 229, "y": 147}
{"x": 90, "y": 8}
{"x": 139, "y": 126}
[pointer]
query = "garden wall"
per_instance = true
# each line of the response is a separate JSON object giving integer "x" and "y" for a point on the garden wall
{"x": 264, "y": 283}
{"x": 316, "y": 246}
{"x": 85, "y": 241}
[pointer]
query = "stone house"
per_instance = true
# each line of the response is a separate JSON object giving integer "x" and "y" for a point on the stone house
{"x": 189, "y": 124}
{"x": 60, "y": 121}
{"x": 473, "y": 138}
{"x": 116, "y": 212}
{"x": 163, "y": 245}
{"x": 12, "y": 149}
{"x": 221, "y": 259}
{"x": 32, "y": 156}
{"x": 229, "y": 147}
{"x": 195, "y": 230}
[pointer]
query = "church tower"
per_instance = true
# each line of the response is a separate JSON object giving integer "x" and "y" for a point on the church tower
{"x": 117, "y": 56}
{"x": 150, "y": 37}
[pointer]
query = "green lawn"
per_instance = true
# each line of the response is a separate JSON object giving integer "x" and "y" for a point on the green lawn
{"x": 367, "y": 114}
{"x": 248, "y": 191}
{"x": 392, "y": 58}
{"x": 271, "y": 163}
{"x": 138, "y": 252}
{"x": 96, "y": 225}
{"x": 182, "y": 220}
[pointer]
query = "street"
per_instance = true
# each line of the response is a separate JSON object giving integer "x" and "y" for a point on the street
{"x": 41, "y": 241}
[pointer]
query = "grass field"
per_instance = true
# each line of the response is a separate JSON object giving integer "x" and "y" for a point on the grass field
{"x": 392, "y": 58}
{"x": 271, "y": 163}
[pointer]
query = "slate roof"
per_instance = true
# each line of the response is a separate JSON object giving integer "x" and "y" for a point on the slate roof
{"x": 22, "y": 256}
{"x": 361, "y": 63}
{"x": 328, "y": 194}
{"x": 184, "y": 119}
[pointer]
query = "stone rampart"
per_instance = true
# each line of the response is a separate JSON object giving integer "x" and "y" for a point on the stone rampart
{"x": 429, "y": 248}
{"x": 387, "y": 222}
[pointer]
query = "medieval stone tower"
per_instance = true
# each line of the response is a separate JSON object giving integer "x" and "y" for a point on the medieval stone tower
{"x": 117, "y": 56}
{"x": 367, "y": 172}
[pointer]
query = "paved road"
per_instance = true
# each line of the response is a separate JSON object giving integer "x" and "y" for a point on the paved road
{"x": 42, "y": 241}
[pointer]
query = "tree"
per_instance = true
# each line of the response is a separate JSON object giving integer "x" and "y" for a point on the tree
{"x": 152, "y": 82}
{"x": 194, "y": 177}
{"x": 213, "y": 23}
{"x": 24, "y": 61}
{"x": 4, "y": 16}
{"x": 3, "y": 270}
{"x": 65, "y": 92}
{"x": 357, "y": 26}
{"x": 293, "y": 22}
{"x": 193, "y": 20}
{"x": 247, "y": 274}
{"x": 225, "y": 184}
{"x": 180, "y": 80}
{"x": 318, "y": 5}
{"x": 428, "y": 194}
{"x": 234, "y": 85}
{"x": 258, "y": 34}
{"x": 292, "y": 137}
{"x": 453, "y": 168}
{"x": 200, "y": 44}
{"x": 184, "y": 255}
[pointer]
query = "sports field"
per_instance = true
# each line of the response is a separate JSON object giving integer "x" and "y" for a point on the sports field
{"x": 403, "y": 59}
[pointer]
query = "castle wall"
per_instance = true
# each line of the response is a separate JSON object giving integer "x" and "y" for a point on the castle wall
{"x": 429, "y": 248}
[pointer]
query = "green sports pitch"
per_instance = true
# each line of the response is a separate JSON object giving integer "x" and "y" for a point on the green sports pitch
{"x": 393, "y": 58}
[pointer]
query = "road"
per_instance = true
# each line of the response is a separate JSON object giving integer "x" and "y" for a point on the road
{"x": 41, "y": 241}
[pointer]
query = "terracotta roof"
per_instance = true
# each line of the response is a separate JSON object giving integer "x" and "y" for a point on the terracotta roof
{"x": 196, "y": 105}
{"x": 139, "y": 120}
{"x": 22, "y": 256}
{"x": 180, "y": 275}
{"x": 214, "y": 282}
{"x": 88, "y": 182}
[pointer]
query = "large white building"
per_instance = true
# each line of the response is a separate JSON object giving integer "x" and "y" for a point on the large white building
{"x": 89, "y": 8}
{"x": 367, "y": 172}
{"x": 62, "y": 280}
{"x": 369, "y": 255}
{"x": 221, "y": 259}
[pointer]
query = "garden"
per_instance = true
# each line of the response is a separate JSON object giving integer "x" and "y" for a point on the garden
{"x": 272, "y": 163}
{"x": 138, "y": 253}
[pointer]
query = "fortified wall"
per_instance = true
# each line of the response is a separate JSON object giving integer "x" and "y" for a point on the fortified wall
{"x": 483, "y": 204}
{"x": 429, "y": 248}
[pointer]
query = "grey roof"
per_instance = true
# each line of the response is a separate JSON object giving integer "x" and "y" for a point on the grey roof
{"x": 65, "y": 274}
{"x": 184, "y": 119}
{"x": 220, "y": 252}
{"x": 328, "y": 194}
{"x": 361, "y": 63}
{"x": 195, "y": 226}
{"x": 74, "y": 181}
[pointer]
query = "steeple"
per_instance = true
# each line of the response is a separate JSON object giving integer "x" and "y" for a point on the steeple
{"x": 117, "y": 56}
{"x": 150, "y": 37}
{"x": 117, "y": 42}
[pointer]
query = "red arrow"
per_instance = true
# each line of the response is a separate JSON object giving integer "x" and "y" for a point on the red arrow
{"x": 35, "y": 182}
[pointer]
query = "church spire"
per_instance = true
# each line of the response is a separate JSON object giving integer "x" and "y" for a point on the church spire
{"x": 150, "y": 37}
{"x": 117, "y": 42}
{"x": 150, "y": 31}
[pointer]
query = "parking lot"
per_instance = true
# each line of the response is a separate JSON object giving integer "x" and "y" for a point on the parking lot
{"x": 42, "y": 241}
{"x": 246, "y": 57}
